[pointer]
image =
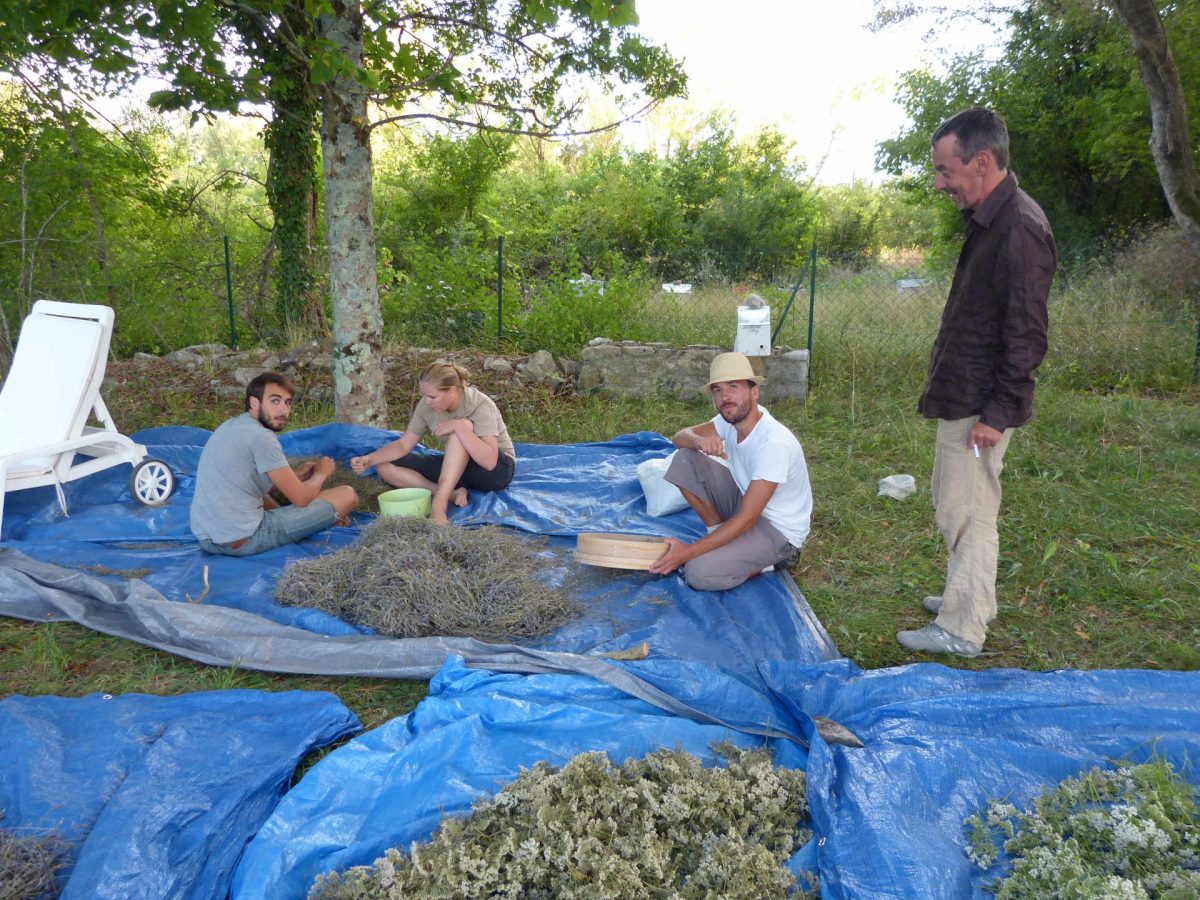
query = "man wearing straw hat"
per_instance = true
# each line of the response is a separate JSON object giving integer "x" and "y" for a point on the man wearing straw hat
{"x": 758, "y": 507}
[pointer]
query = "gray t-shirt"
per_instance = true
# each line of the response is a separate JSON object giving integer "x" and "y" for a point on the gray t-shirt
{"x": 231, "y": 479}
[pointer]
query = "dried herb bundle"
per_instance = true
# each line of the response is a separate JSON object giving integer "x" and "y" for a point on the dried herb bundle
{"x": 661, "y": 826}
{"x": 368, "y": 489}
{"x": 406, "y": 577}
{"x": 29, "y": 864}
{"x": 1133, "y": 831}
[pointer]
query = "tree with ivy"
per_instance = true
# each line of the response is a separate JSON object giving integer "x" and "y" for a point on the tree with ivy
{"x": 521, "y": 67}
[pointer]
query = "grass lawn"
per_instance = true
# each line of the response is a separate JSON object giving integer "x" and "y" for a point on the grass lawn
{"x": 1100, "y": 529}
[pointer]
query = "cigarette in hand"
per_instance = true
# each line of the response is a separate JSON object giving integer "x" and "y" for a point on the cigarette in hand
{"x": 975, "y": 447}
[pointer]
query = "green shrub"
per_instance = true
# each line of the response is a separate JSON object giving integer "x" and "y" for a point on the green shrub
{"x": 564, "y": 313}
{"x": 439, "y": 298}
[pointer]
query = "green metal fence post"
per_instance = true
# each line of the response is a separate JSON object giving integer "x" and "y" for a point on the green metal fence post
{"x": 229, "y": 295}
{"x": 500, "y": 286}
{"x": 812, "y": 294}
{"x": 1196, "y": 359}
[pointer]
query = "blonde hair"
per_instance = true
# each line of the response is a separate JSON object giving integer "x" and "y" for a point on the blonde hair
{"x": 444, "y": 375}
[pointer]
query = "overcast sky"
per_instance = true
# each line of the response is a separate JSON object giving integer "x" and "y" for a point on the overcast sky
{"x": 811, "y": 67}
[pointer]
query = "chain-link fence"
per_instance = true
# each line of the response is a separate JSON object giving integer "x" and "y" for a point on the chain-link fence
{"x": 1107, "y": 330}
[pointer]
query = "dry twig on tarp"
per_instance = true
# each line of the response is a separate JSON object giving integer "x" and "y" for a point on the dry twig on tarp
{"x": 406, "y": 577}
{"x": 30, "y": 863}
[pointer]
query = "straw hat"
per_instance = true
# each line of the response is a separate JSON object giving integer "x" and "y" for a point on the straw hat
{"x": 732, "y": 367}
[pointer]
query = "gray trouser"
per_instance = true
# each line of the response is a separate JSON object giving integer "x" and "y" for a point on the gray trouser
{"x": 728, "y": 566}
{"x": 966, "y": 500}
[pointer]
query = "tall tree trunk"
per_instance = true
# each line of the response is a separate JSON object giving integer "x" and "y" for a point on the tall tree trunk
{"x": 1170, "y": 139}
{"x": 350, "y": 227}
{"x": 292, "y": 176}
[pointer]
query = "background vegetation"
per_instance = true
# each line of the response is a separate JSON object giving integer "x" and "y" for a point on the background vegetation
{"x": 1100, "y": 564}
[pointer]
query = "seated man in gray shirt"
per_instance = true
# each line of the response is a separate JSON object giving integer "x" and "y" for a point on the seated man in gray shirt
{"x": 232, "y": 511}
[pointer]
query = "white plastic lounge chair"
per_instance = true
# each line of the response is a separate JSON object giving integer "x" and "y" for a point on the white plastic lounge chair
{"x": 51, "y": 391}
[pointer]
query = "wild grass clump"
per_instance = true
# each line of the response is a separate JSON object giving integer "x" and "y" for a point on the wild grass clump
{"x": 1133, "y": 831}
{"x": 29, "y": 864}
{"x": 406, "y": 577}
{"x": 660, "y": 826}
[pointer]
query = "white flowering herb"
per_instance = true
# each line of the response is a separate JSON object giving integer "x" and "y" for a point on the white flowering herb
{"x": 663, "y": 826}
{"x": 1127, "y": 832}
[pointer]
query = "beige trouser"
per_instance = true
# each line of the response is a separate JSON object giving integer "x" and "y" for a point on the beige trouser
{"x": 966, "y": 500}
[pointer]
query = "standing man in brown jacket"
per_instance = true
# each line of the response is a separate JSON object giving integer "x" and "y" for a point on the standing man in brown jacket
{"x": 980, "y": 382}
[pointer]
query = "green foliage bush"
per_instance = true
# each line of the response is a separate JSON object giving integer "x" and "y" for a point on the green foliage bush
{"x": 563, "y": 313}
{"x": 1077, "y": 113}
{"x": 437, "y": 298}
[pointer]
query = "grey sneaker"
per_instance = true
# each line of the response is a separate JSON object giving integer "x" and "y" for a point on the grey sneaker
{"x": 934, "y": 639}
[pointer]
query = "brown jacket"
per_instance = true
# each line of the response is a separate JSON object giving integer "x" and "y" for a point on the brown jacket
{"x": 993, "y": 332}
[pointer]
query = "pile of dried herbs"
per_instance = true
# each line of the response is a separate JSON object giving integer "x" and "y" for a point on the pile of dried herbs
{"x": 29, "y": 864}
{"x": 1128, "y": 832}
{"x": 406, "y": 577}
{"x": 367, "y": 488}
{"x": 660, "y": 826}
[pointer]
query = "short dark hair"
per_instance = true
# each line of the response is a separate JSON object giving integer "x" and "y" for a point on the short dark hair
{"x": 259, "y": 383}
{"x": 977, "y": 129}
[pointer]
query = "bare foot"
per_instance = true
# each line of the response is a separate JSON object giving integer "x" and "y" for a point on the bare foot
{"x": 459, "y": 497}
{"x": 437, "y": 511}
{"x": 342, "y": 520}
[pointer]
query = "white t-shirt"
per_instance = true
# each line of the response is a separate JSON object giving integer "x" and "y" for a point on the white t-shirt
{"x": 772, "y": 453}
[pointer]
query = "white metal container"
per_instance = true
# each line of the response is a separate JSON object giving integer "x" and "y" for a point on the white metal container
{"x": 753, "y": 331}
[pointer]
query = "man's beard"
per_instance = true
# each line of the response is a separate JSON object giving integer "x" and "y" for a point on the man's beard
{"x": 267, "y": 422}
{"x": 736, "y": 414}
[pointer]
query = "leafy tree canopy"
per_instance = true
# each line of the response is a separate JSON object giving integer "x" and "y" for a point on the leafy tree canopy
{"x": 1078, "y": 116}
{"x": 523, "y": 65}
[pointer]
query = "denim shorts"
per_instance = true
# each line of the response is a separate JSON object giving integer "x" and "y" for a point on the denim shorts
{"x": 285, "y": 525}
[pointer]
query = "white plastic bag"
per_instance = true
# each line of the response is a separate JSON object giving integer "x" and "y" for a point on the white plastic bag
{"x": 897, "y": 486}
{"x": 662, "y": 497}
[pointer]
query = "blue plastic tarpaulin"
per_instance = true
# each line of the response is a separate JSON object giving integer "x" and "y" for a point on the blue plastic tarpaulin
{"x": 558, "y": 492}
{"x": 940, "y": 743}
{"x": 464, "y": 742}
{"x": 157, "y": 796}
{"x": 888, "y": 818}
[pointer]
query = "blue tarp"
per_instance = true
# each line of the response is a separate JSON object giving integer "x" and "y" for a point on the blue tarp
{"x": 466, "y": 740}
{"x": 938, "y": 742}
{"x": 888, "y": 818}
{"x": 157, "y": 796}
{"x": 558, "y": 492}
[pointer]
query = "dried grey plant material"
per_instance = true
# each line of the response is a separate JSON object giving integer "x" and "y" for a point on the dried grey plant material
{"x": 29, "y": 864}
{"x": 1127, "y": 832}
{"x": 662, "y": 826}
{"x": 406, "y": 577}
{"x": 367, "y": 488}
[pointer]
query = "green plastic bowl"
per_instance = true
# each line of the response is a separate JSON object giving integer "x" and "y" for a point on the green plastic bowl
{"x": 413, "y": 503}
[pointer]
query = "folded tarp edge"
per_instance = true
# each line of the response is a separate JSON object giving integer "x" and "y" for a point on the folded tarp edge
{"x": 223, "y": 636}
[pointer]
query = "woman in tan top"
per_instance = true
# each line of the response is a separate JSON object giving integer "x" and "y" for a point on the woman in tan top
{"x": 479, "y": 453}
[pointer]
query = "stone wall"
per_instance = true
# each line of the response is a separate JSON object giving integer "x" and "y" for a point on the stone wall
{"x": 631, "y": 368}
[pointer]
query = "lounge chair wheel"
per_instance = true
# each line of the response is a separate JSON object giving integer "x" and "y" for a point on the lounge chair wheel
{"x": 152, "y": 482}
